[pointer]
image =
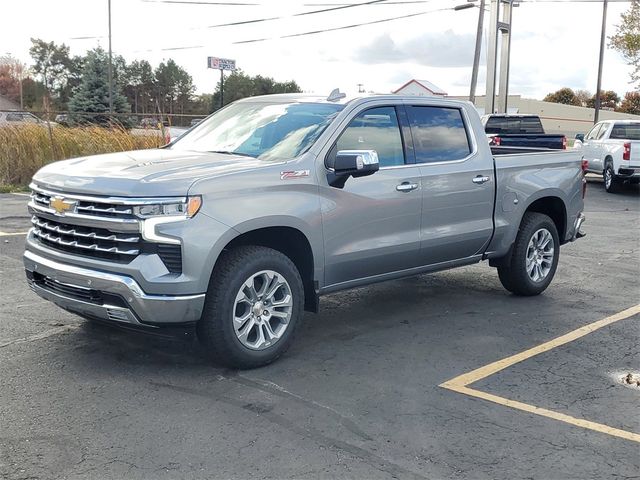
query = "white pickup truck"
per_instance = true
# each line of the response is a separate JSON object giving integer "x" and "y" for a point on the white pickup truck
{"x": 612, "y": 148}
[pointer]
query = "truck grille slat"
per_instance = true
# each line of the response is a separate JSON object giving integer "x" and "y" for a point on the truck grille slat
{"x": 75, "y": 244}
{"x": 74, "y": 231}
{"x": 84, "y": 207}
{"x": 102, "y": 211}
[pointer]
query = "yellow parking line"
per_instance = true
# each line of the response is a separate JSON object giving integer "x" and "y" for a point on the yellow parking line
{"x": 9, "y": 234}
{"x": 461, "y": 383}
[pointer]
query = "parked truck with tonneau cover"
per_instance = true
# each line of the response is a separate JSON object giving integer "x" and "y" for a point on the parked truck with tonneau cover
{"x": 509, "y": 130}
{"x": 273, "y": 201}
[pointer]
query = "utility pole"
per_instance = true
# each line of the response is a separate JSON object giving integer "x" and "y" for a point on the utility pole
{"x": 492, "y": 59}
{"x": 476, "y": 56}
{"x": 600, "y": 61}
{"x": 505, "y": 55}
{"x": 504, "y": 28}
{"x": 110, "y": 63}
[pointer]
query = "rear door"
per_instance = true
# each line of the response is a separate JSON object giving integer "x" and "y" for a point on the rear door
{"x": 372, "y": 225}
{"x": 458, "y": 184}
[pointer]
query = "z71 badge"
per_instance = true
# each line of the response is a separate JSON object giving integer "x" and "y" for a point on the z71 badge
{"x": 293, "y": 174}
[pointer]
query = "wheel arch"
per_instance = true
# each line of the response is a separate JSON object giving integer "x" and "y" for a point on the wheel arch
{"x": 555, "y": 208}
{"x": 289, "y": 241}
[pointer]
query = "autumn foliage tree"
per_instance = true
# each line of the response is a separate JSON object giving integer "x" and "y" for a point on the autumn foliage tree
{"x": 631, "y": 103}
{"x": 565, "y": 96}
{"x": 627, "y": 39}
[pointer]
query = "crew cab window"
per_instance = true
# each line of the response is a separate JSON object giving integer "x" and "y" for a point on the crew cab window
{"x": 375, "y": 129}
{"x": 439, "y": 134}
{"x": 593, "y": 132}
{"x": 625, "y": 131}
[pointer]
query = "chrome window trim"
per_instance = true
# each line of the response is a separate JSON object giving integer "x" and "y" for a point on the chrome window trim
{"x": 112, "y": 200}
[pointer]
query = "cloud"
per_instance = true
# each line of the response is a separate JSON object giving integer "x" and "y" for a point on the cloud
{"x": 434, "y": 49}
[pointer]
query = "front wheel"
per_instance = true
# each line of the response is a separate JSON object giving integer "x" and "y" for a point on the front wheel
{"x": 534, "y": 257}
{"x": 253, "y": 306}
{"x": 611, "y": 181}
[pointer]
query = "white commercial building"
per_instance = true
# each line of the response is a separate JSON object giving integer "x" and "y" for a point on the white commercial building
{"x": 556, "y": 117}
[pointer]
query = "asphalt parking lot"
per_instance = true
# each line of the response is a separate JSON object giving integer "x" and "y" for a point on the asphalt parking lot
{"x": 360, "y": 393}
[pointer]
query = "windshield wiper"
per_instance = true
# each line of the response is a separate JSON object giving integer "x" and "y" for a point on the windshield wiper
{"x": 227, "y": 152}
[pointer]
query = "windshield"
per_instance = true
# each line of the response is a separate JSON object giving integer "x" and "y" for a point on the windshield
{"x": 268, "y": 131}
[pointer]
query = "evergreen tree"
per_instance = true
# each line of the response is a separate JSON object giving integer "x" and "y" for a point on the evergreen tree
{"x": 240, "y": 85}
{"x": 92, "y": 95}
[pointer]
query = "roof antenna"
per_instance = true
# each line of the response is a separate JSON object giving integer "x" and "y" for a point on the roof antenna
{"x": 335, "y": 95}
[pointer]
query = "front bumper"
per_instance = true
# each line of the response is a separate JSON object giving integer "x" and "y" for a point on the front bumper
{"x": 107, "y": 296}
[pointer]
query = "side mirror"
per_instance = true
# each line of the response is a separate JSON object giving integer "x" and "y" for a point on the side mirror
{"x": 580, "y": 136}
{"x": 352, "y": 163}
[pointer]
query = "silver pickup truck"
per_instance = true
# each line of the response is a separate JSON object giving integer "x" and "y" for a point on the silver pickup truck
{"x": 243, "y": 222}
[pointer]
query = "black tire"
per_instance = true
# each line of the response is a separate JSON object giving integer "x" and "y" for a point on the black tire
{"x": 514, "y": 275}
{"x": 612, "y": 183}
{"x": 215, "y": 329}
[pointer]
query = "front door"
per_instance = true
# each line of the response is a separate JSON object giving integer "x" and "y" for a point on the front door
{"x": 372, "y": 225}
{"x": 591, "y": 147}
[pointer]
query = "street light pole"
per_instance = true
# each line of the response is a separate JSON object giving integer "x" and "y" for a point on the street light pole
{"x": 110, "y": 63}
{"x": 600, "y": 61}
{"x": 221, "y": 87}
{"x": 476, "y": 56}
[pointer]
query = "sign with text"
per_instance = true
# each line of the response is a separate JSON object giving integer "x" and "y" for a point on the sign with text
{"x": 221, "y": 63}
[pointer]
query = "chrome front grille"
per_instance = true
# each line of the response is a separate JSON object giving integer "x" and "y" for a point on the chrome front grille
{"x": 106, "y": 208}
{"x": 72, "y": 237}
{"x": 98, "y": 227}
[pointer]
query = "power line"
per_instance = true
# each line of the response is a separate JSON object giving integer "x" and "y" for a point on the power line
{"x": 301, "y": 14}
{"x": 184, "y": 2}
{"x": 345, "y": 27}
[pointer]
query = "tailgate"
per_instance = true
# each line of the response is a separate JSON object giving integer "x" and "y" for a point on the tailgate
{"x": 551, "y": 141}
{"x": 635, "y": 154}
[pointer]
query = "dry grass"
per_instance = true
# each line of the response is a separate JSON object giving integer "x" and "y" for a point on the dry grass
{"x": 24, "y": 149}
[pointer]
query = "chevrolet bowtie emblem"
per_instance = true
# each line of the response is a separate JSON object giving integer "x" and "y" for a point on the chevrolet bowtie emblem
{"x": 60, "y": 205}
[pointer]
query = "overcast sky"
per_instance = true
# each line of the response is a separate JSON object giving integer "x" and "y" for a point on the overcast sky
{"x": 554, "y": 44}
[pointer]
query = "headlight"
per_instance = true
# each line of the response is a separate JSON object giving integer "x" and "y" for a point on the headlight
{"x": 187, "y": 209}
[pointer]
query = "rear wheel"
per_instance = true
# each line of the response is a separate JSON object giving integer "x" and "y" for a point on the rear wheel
{"x": 254, "y": 304}
{"x": 534, "y": 257}
{"x": 611, "y": 181}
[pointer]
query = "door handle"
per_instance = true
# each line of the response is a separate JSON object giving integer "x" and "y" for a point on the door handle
{"x": 406, "y": 187}
{"x": 480, "y": 179}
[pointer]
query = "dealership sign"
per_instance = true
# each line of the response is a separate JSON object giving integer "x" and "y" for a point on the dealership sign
{"x": 221, "y": 63}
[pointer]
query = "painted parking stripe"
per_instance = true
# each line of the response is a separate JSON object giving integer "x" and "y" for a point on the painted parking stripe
{"x": 21, "y": 194}
{"x": 10, "y": 234}
{"x": 461, "y": 383}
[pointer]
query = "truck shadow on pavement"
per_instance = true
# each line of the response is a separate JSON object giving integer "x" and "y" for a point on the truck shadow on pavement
{"x": 422, "y": 313}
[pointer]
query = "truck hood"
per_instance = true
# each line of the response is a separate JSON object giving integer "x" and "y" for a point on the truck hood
{"x": 141, "y": 173}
